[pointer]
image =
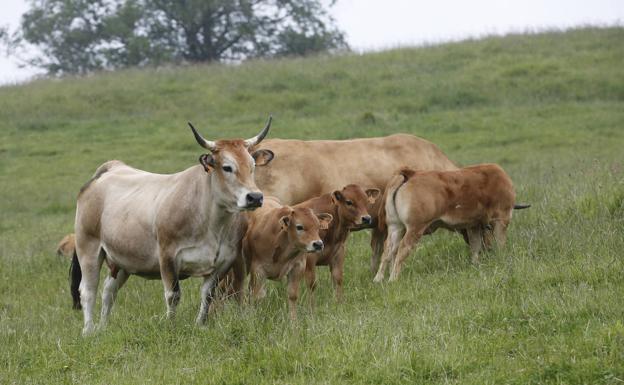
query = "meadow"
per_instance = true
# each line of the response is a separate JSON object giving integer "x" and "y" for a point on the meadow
{"x": 548, "y": 309}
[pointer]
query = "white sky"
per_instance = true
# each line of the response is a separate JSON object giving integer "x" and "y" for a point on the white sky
{"x": 379, "y": 24}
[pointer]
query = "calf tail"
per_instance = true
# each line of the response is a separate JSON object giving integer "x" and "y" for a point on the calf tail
{"x": 391, "y": 190}
{"x": 520, "y": 206}
{"x": 75, "y": 276}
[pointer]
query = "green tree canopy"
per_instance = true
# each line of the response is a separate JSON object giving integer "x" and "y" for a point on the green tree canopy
{"x": 80, "y": 36}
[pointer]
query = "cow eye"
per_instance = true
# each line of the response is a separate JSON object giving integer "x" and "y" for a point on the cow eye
{"x": 299, "y": 227}
{"x": 349, "y": 203}
{"x": 227, "y": 168}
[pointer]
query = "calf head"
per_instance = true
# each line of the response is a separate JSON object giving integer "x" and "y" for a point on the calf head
{"x": 302, "y": 226}
{"x": 231, "y": 165}
{"x": 352, "y": 202}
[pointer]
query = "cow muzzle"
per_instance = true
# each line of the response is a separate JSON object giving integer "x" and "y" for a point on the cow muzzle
{"x": 253, "y": 200}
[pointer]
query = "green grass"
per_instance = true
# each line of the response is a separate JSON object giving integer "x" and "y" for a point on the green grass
{"x": 548, "y": 309}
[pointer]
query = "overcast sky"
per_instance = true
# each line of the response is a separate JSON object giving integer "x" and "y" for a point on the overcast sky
{"x": 379, "y": 24}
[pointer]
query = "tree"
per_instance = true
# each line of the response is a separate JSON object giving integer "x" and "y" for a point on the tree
{"x": 80, "y": 36}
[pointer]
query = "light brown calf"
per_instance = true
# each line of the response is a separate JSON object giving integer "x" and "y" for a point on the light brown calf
{"x": 67, "y": 246}
{"x": 349, "y": 209}
{"x": 275, "y": 244}
{"x": 477, "y": 199}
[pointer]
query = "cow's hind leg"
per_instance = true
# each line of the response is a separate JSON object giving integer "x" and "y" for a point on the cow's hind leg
{"x": 109, "y": 293}
{"x": 405, "y": 248}
{"x": 475, "y": 237}
{"x": 395, "y": 233}
{"x": 378, "y": 237}
{"x": 90, "y": 257}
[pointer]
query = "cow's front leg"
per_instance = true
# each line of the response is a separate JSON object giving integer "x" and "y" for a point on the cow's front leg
{"x": 171, "y": 283}
{"x": 207, "y": 295}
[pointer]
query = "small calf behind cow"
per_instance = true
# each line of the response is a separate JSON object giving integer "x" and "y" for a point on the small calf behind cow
{"x": 349, "y": 210}
{"x": 275, "y": 244}
{"x": 476, "y": 201}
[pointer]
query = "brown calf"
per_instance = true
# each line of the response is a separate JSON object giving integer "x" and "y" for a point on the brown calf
{"x": 349, "y": 209}
{"x": 476, "y": 200}
{"x": 275, "y": 243}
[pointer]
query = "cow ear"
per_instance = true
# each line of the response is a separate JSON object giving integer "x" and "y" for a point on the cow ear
{"x": 337, "y": 197}
{"x": 373, "y": 194}
{"x": 284, "y": 222}
{"x": 325, "y": 219}
{"x": 263, "y": 157}
{"x": 207, "y": 161}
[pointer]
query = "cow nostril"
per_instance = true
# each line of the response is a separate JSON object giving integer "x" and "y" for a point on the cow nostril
{"x": 318, "y": 245}
{"x": 366, "y": 219}
{"x": 254, "y": 198}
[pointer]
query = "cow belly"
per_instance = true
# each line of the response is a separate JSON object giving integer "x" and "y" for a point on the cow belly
{"x": 201, "y": 261}
{"x": 141, "y": 261}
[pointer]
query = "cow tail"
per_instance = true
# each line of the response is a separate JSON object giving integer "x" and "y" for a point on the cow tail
{"x": 391, "y": 190}
{"x": 521, "y": 206}
{"x": 75, "y": 276}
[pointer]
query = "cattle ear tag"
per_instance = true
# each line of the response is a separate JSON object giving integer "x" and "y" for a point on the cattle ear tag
{"x": 325, "y": 219}
{"x": 285, "y": 221}
{"x": 207, "y": 161}
{"x": 373, "y": 194}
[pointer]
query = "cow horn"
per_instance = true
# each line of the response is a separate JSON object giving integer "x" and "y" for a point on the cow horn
{"x": 258, "y": 138}
{"x": 207, "y": 144}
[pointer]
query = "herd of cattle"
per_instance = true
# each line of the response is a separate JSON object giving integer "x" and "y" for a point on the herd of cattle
{"x": 224, "y": 220}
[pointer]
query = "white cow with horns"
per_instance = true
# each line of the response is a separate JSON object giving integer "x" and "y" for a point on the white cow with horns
{"x": 164, "y": 226}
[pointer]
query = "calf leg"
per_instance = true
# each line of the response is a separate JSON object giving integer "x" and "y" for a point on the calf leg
{"x": 256, "y": 283}
{"x": 109, "y": 294}
{"x": 208, "y": 289}
{"x": 395, "y": 233}
{"x": 336, "y": 268}
{"x": 294, "y": 278}
{"x": 475, "y": 237}
{"x": 310, "y": 277}
{"x": 405, "y": 248}
{"x": 500, "y": 233}
{"x": 90, "y": 259}
{"x": 378, "y": 237}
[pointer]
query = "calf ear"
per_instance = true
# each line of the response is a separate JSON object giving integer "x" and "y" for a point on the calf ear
{"x": 284, "y": 221}
{"x": 263, "y": 157}
{"x": 373, "y": 194}
{"x": 325, "y": 219}
{"x": 337, "y": 197}
{"x": 207, "y": 161}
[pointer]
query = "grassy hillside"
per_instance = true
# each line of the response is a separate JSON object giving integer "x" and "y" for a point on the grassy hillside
{"x": 548, "y": 309}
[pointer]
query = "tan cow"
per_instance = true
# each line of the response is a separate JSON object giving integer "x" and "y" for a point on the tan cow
{"x": 477, "y": 199}
{"x": 276, "y": 243}
{"x": 349, "y": 209}
{"x": 303, "y": 170}
{"x": 66, "y": 246}
{"x": 165, "y": 226}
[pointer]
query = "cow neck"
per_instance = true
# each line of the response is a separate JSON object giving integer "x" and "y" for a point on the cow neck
{"x": 284, "y": 248}
{"x": 219, "y": 217}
